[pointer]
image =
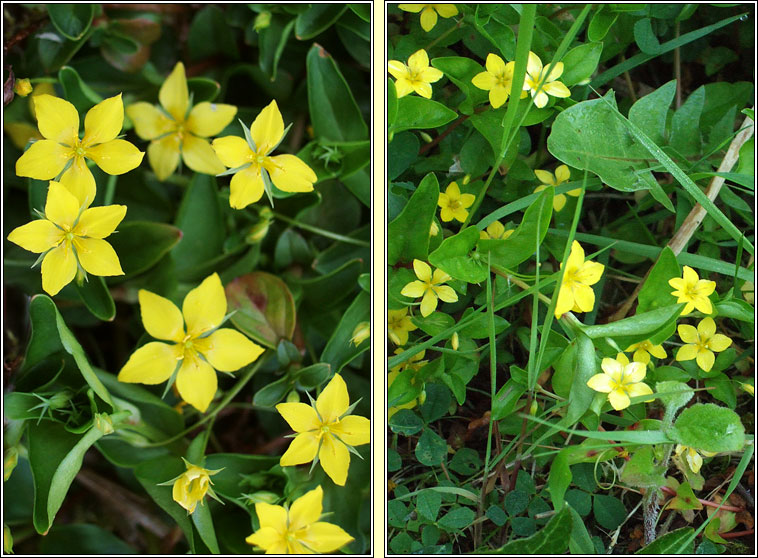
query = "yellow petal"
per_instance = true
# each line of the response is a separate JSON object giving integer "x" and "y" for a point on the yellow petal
{"x": 554, "y": 74}
{"x": 149, "y": 122}
{"x": 430, "y": 75}
{"x": 540, "y": 99}
{"x": 325, "y": 537}
{"x": 423, "y": 90}
{"x": 103, "y": 121}
{"x": 37, "y": 236}
{"x": 428, "y": 303}
{"x": 333, "y": 400}
{"x": 99, "y": 222}
{"x": 290, "y": 174}
{"x": 694, "y": 460}
{"x": 534, "y": 65}
{"x": 706, "y": 328}
{"x": 705, "y": 360}
{"x": 116, "y": 157}
{"x": 152, "y": 363}
{"x": 642, "y": 356}
{"x": 446, "y": 294}
{"x": 306, "y": 509}
{"x": 302, "y": 450}
{"x": 439, "y": 277}
{"x": 618, "y": 399}
{"x": 413, "y": 8}
{"x": 267, "y": 128}
{"x": 556, "y": 89}
{"x": 484, "y": 80}
{"x": 199, "y": 155}
{"x": 657, "y": 351}
{"x": 546, "y": 177}
{"x": 634, "y": 372}
{"x": 601, "y": 382}
{"x": 703, "y": 304}
{"x": 495, "y": 65}
{"x": 414, "y": 289}
{"x": 208, "y": 119}
{"x": 639, "y": 389}
{"x": 246, "y": 187}
{"x": 163, "y": 155}
{"x": 61, "y": 207}
{"x": 428, "y": 18}
{"x": 590, "y": 273}
{"x": 228, "y": 350}
{"x": 422, "y": 270}
{"x": 689, "y": 275}
{"x": 686, "y": 352}
{"x": 397, "y": 69}
{"x": 300, "y": 417}
{"x": 562, "y": 174}
{"x": 43, "y": 160}
{"x": 719, "y": 342}
{"x": 204, "y": 306}
{"x": 335, "y": 459}
{"x": 58, "y": 268}
{"x": 197, "y": 383}
{"x": 418, "y": 61}
{"x": 233, "y": 151}
{"x": 565, "y": 301}
{"x": 613, "y": 368}
{"x": 271, "y": 516}
{"x": 403, "y": 87}
{"x": 173, "y": 94}
{"x": 584, "y": 297}
{"x": 446, "y": 10}
{"x": 97, "y": 257}
{"x": 161, "y": 318}
{"x": 57, "y": 119}
{"x": 79, "y": 181}
{"x": 559, "y": 202}
{"x": 353, "y": 430}
{"x": 269, "y": 539}
{"x": 688, "y": 333}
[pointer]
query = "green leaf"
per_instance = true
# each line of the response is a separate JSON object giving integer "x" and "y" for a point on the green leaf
{"x": 685, "y": 125}
{"x": 466, "y": 461}
{"x": 656, "y": 292}
{"x": 97, "y": 297}
{"x": 671, "y": 543}
{"x": 506, "y": 399}
{"x": 271, "y": 43}
{"x": 76, "y": 91}
{"x": 263, "y": 306}
{"x": 600, "y": 23}
{"x": 271, "y": 394}
{"x": 455, "y": 258}
{"x": 559, "y": 479}
{"x": 141, "y": 244}
{"x": 418, "y": 113}
{"x": 327, "y": 291}
{"x": 649, "y": 112}
{"x": 391, "y": 105}
{"x": 642, "y": 471}
{"x": 457, "y": 519}
{"x": 551, "y": 539}
{"x": 334, "y": 113}
{"x": 339, "y": 350}
{"x": 203, "y": 89}
{"x": 709, "y": 427}
{"x": 497, "y": 32}
{"x": 83, "y": 539}
{"x": 431, "y": 450}
{"x": 685, "y": 499}
{"x": 580, "y": 541}
{"x": 640, "y": 325}
{"x": 404, "y": 239}
{"x": 203, "y": 521}
{"x": 586, "y": 366}
{"x": 317, "y": 19}
{"x": 460, "y": 70}
{"x": 406, "y": 423}
{"x": 580, "y": 63}
{"x": 72, "y": 20}
{"x": 677, "y": 395}
{"x": 428, "y": 504}
{"x": 608, "y": 510}
{"x": 211, "y": 22}
{"x": 516, "y": 501}
{"x": 401, "y": 152}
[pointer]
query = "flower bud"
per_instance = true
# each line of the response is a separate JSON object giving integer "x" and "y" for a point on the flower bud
{"x": 434, "y": 230}
{"x": 22, "y": 87}
{"x": 7, "y": 540}
{"x": 426, "y": 137}
{"x": 534, "y": 408}
{"x": 9, "y": 462}
{"x": 361, "y": 332}
{"x": 454, "y": 341}
{"x": 293, "y": 397}
{"x": 262, "y": 497}
{"x": 191, "y": 487}
{"x": 262, "y": 20}
{"x": 104, "y": 423}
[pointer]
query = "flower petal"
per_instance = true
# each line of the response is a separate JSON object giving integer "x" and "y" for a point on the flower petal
{"x": 161, "y": 318}
{"x": 43, "y": 160}
{"x": 638, "y": 389}
{"x": 445, "y": 293}
{"x": 302, "y": 450}
{"x": 589, "y": 273}
{"x": 428, "y": 303}
{"x": 418, "y": 61}
{"x": 705, "y": 359}
{"x": 149, "y": 122}
{"x": 208, "y": 119}
{"x": 58, "y": 268}
{"x": 422, "y": 269}
{"x": 686, "y": 352}
{"x": 333, "y": 400}
{"x": 38, "y": 236}
{"x": 706, "y": 328}
{"x": 269, "y": 539}
{"x": 97, "y": 257}
{"x": 546, "y": 177}
{"x": 306, "y": 509}
{"x": 498, "y": 95}
{"x": 601, "y": 382}
{"x": 430, "y": 75}
{"x": 619, "y": 400}
{"x": 540, "y": 99}
{"x": 204, "y": 306}
{"x": 228, "y": 350}
{"x": 116, "y": 157}
{"x": 688, "y": 333}
{"x": 703, "y": 304}
{"x": 267, "y": 128}
{"x": 533, "y": 65}
{"x": 428, "y": 18}
{"x": 99, "y": 222}
{"x": 61, "y": 207}
{"x": 290, "y": 174}
{"x": 423, "y": 90}
{"x": 300, "y": 417}
{"x": 484, "y": 80}
{"x": 152, "y": 363}
{"x": 562, "y": 174}
{"x": 103, "y": 121}
{"x": 413, "y": 8}
{"x": 397, "y": 69}
{"x": 495, "y": 65}
{"x": 559, "y": 202}
{"x": 613, "y": 368}
{"x": 246, "y": 187}
{"x": 584, "y": 297}
{"x": 556, "y": 89}
{"x": 335, "y": 459}
{"x": 57, "y": 119}
{"x": 197, "y": 383}
{"x": 414, "y": 289}
{"x": 634, "y": 372}
{"x": 719, "y": 342}
{"x": 657, "y": 351}
{"x": 163, "y": 155}
{"x": 173, "y": 94}
{"x": 199, "y": 155}
{"x": 565, "y": 301}
{"x": 79, "y": 181}
{"x": 325, "y": 537}
{"x": 233, "y": 151}
{"x": 446, "y": 10}
{"x": 271, "y": 516}
{"x": 353, "y": 430}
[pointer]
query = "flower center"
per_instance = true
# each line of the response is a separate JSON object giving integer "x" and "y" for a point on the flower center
{"x": 454, "y": 204}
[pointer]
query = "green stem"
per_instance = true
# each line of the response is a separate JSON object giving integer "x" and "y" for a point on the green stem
{"x": 322, "y": 232}
{"x": 110, "y": 189}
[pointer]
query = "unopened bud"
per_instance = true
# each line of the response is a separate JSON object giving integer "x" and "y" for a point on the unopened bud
{"x": 466, "y": 179}
{"x": 104, "y": 423}
{"x": 361, "y": 332}
{"x": 22, "y": 87}
{"x": 534, "y": 408}
{"x": 7, "y": 540}
{"x": 422, "y": 397}
{"x": 426, "y": 137}
{"x": 262, "y": 20}
{"x": 434, "y": 230}
{"x": 262, "y": 497}
{"x": 293, "y": 397}
{"x": 454, "y": 341}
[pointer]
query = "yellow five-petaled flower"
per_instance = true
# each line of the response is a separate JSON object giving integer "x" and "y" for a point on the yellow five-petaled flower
{"x": 562, "y": 174}
{"x": 196, "y": 351}
{"x": 576, "y": 293}
{"x": 621, "y": 380}
{"x": 536, "y": 75}
{"x": 287, "y": 172}
{"x": 325, "y": 429}
{"x": 71, "y": 239}
{"x": 297, "y": 530}
{"x": 454, "y": 204}
{"x": 495, "y": 231}
{"x": 429, "y": 12}
{"x": 190, "y": 487}
{"x": 693, "y": 291}
{"x": 416, "y": 76}
{"x": 701, "y": 343}
{"x": 63, "y": 151}
{"x": 644, "y": 349}
{"x": 430, "y": 287}
{"x": 399, "y": 324}
{"x": 497, "y": 79}
{"x": 694, "y": 460}
{"x": 173, "y": 133}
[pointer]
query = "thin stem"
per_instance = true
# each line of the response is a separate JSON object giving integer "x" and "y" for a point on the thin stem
{"x": 322, "y": 232}
{"x": 110, "y": 189}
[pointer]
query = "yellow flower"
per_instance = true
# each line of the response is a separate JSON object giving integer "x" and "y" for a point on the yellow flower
{"x": 297, "y": 530}
{"x": 495, "y": 231}
{"x": 192, "y": 485}
{"x": 416, "y": 76}
{"x": 61, "y": 149}
{"x": 429, "y": 286}
{"x": 575, "y": 293}
{"x": 693, "y": 457}
{"x": 498, "y": 80}
{"x": 562, "y": 174}
{"x": 325, "y": 429}
{"x": 361, "y": 332}
{"x": 22, "y": 132}
{"x": 196, "y": 351}
{"x": 398, "y": 325}
{"x": 536, "y": 75}
{"x": 71, "y": 239}
{"x": 454, "y": 204}
{"x": 287, "y": 172}
{"x": 429, "y": 12}
{"x": 701, "y": 343}
{"x": 174, "y": 133}
{"x": 620, "y": 381}
{"x": 694, "y": 291}
{"x": 644, "y": 349}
